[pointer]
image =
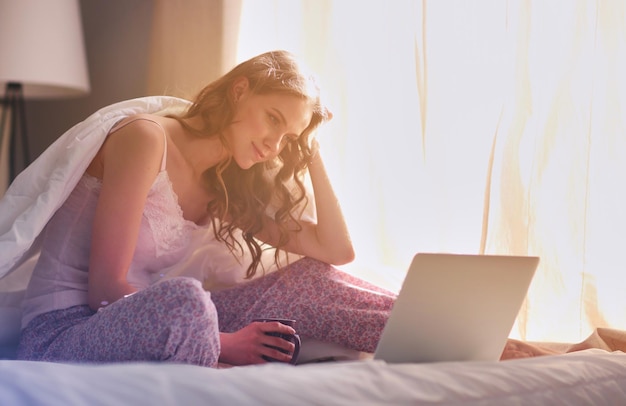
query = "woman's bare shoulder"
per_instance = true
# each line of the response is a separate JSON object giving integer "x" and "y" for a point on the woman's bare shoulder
{"x": 135, "y": 138}
{"x": 143, "y": 122}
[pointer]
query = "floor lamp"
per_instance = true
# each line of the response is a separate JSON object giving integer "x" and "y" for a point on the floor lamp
{"x": 17, "y": 138}
{"x": 42, "y": 56}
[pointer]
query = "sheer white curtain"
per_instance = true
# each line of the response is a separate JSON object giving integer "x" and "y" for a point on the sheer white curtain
{"x": 474, "y": 127}
{"x": 558, "y": 182}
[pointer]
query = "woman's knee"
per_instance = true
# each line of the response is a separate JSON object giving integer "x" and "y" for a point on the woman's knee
{"x": 185, "y": 296}
{"x": 191, "y": 320}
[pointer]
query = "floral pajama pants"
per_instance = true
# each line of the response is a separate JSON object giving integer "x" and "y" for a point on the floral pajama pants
{"x": 177, "y": 321}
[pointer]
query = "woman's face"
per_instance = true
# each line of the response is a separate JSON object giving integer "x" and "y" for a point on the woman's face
{"x": 263, "y": 124}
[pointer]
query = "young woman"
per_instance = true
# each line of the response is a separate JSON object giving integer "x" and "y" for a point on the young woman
{"x": 233, "y": 161}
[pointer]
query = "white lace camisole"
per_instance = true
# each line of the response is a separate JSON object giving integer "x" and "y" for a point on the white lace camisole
{"x": 59, "y": 279}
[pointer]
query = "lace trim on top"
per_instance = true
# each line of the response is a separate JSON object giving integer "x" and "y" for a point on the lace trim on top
{"x": 165, "y": 216}
{"x": 170, "y": 230}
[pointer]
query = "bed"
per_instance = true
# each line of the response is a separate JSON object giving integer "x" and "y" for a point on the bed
{"x": 589, "y": 377}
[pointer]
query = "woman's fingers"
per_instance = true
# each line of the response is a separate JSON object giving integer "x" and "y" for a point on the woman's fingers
{"x": 274, "y": 340}
{"x": 275, "y": 327}
{"x": 272, "y": 351}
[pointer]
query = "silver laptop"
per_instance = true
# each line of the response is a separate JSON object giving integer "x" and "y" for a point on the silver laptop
{"x": 454, "y": 307}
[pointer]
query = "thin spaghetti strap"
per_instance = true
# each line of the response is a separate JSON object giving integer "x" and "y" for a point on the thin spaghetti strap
{"x": 164, "y": 159}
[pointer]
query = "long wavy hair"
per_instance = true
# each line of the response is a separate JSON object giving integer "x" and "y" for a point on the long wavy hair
{"x": 243, "y": 197}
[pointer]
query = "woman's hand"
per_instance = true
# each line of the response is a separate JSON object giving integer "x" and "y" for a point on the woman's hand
{"x": 249, "y": 345}
{"x": 326, "y": 238}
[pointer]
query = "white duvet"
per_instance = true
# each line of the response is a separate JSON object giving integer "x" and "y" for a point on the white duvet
{"x": 592, "y": 377}
{"x": 43, "y": 186}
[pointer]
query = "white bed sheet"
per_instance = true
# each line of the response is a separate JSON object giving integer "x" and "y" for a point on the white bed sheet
{"x": 591, "y": 377}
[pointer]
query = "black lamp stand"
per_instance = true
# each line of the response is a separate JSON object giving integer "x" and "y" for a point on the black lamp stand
{"x": 13, "y": 102}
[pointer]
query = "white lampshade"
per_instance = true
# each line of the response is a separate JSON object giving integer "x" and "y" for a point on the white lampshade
{"x": 42, "y": 47}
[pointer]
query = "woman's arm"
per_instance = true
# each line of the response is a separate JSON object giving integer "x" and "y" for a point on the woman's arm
{"x": 130, "y": 160}
{"x": 328, "y": 239}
